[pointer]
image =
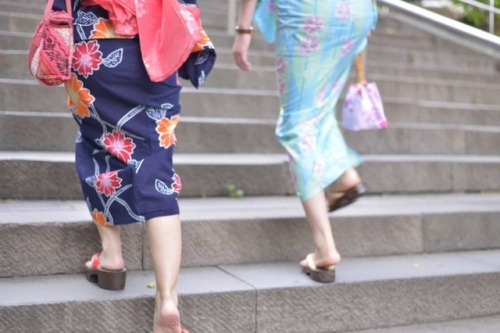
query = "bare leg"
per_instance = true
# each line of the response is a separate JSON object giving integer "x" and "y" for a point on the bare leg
{"x": 325, "y": 252}
{"x": 111, "y": 255}
{"x": 165, "y": 240}
{"x": 348, "y": 179}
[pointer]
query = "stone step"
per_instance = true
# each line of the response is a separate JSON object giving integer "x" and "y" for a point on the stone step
{"x": 206, "y": 175}
{"x": 395, "y": 63}
{"x": 418, "y": 63}
{"x": 35, "y": 131}
{"x": 228, "y": 75}
{"x": 379, "y": 292}
{"x": 480, "y": 325}
{"x": 254, "y": 104}
{"x": 19, "y": 39}
{"x": 12, "y": 6}
{"x": 267, "y": 229}
{"x": 27, "y": 95}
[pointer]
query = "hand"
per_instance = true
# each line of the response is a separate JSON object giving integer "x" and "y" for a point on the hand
{"x": 240, "y": 51}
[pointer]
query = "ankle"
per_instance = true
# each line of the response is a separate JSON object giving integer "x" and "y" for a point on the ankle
{"x": 111, "y": 260}
{"x": 327, "y": 257}
{"x": 166, "y": 296}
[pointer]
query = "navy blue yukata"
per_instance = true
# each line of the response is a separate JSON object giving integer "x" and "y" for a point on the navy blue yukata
{"x": 127, "y": 123}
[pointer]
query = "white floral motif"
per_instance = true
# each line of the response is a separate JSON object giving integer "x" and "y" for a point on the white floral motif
{"x": 140, "y": 8}
{"x": 191, "y": 24}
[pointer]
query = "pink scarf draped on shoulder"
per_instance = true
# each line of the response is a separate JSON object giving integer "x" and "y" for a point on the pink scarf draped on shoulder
{"x": 167, "y": 31}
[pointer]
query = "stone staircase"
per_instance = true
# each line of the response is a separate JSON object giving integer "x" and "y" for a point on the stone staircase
{"x": 421, "y": 252}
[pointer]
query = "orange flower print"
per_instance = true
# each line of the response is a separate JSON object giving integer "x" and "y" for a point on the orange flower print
{"x": 108, "y": 182}
{"x": 78, "y": 96}
{"x": 165, "y": 127}
{"x": 204, "y": 41}
{"x": 105, "y": 29}
{"x": 118, "y": 145}
{"x": 99, "y": 218}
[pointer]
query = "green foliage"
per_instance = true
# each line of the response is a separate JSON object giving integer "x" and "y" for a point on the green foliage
{"x": 233, "y": 191}
{"x": 478, "y": 17}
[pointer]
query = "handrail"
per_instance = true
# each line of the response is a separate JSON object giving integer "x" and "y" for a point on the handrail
{"x": 491, "y": 11}
{"x": 445, "y": 27}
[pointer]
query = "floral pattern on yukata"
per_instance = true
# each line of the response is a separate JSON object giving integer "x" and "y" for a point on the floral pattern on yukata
{"x": 127, "y": 124}
{"x": 316, "y": 42}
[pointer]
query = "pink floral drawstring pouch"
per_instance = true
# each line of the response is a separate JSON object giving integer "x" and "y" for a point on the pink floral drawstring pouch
{"x": 363, "y": 108}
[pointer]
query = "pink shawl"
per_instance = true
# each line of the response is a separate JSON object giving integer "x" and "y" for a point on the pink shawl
{"x": 167, "y": 31}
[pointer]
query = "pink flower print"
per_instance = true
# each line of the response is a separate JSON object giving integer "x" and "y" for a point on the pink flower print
{"x": 347, "y": 47}
{"x": 271, "y": 6}
{"x": 319, "y": 167}
{"x": 108, "y": 182}
{"x": 307, "y": 141}
{"x": 140, "y": 8}
{"x": 280, "y": 65}
{"x": 337, "y": 86}
{"x": 177, "y": 184}
{"x": 322, "y": 94}
{"x": 87, "y": 58}
{"x": 308, "y": 46}
{"x": 343, "y": 10}
{"x": 118, "y": 145}
{"x": 281, "y": 87}
{"x": 313, "y": 24}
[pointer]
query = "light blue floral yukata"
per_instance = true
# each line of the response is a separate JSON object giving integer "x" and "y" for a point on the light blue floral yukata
{"x": 316, "y": 43}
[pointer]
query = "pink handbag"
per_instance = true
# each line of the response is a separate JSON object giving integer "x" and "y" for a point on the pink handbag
{"x": 51, "y": 49}
{"x": 363, "y": 108}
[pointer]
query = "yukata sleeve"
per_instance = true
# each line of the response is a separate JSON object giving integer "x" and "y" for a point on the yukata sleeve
{"x": 201, "y": 60}
{"x": 375, "y": 16}
{"x": 265, "y": 19}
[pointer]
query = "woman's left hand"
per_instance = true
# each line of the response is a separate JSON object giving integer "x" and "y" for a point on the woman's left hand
{"x": 240, "y": 51}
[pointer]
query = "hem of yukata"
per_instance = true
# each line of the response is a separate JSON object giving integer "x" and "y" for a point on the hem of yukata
{"x": 160, "y": 213}
{"x": 148, "y": 216}
{"x": 353, "y": 160}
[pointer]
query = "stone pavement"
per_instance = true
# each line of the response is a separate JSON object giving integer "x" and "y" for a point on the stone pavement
{"x": 421, "y": 251}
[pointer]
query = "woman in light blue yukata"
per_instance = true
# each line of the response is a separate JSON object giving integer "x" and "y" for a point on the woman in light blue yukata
{"x": 316, "y": 43}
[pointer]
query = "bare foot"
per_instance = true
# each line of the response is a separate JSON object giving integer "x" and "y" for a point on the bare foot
{"x": 324, "y": 261}
{"x": 348, "y": 179}
{"x": 108, "y": 262}
{"x": 166, "y": 318}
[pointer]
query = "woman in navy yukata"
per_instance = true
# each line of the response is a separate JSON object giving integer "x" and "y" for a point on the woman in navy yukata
{"x": 124, "y": 95}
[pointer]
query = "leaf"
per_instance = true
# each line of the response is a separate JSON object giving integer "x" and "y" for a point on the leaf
{"x": 151, "y": 285}
{"x": 156, "y": 113}
{"x": 163, "y": 188}
{"x": 86, "y": 19}
{"x": 113, "y": 59}
{"x": 167, "y": 106}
